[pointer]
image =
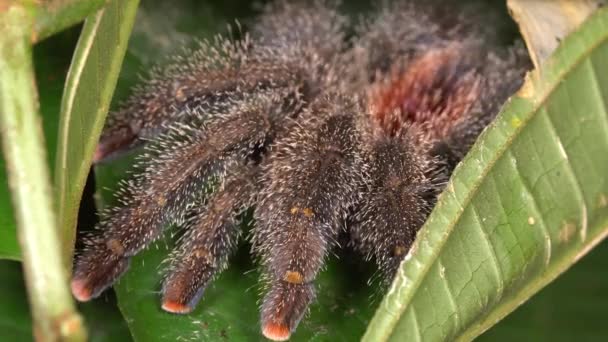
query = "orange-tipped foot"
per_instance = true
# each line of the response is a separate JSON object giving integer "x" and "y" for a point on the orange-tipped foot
{"x": 175, "y": 307}
{"x": 276, "y": 332}
{"x": 80, "y": 290}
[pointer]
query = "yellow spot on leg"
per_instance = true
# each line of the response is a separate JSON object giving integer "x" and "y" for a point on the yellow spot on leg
{"x": 204, "y": 254}
{"x": 115, "y": 246}
{"x": 308, "y": 212}
{"x": 293, "y": 277}
{"x": 399, "y": 250}
{"x": 179, "y": 94}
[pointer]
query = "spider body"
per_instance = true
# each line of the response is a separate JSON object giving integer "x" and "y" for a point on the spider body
{"x": 317, "y": 132}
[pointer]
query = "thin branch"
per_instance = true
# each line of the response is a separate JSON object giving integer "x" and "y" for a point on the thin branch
{"x": 55, "y": 318}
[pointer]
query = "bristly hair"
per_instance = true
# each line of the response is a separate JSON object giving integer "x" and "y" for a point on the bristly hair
{"x": 323, "y": 126}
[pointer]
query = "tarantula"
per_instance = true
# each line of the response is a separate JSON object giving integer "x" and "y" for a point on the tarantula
{"x": 319, "y": 131}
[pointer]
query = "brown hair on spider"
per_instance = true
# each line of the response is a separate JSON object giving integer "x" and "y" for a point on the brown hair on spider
{"x": 314, "y": 130}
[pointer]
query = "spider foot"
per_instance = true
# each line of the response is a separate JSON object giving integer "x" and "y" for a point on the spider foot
{"x": 184, "y": 287}
{"x": 96, "y": 271}
{"x": 283, "y": 308}
{"x": 212, "y": 235}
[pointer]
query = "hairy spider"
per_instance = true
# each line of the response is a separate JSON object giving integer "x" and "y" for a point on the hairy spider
{"x": 317, "y": 130}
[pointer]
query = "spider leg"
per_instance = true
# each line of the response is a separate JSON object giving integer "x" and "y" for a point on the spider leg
{"x": 314, "y": 176}
{"x": 212, "y": 234}
{"x": 277, "y": 56}
{"x": 165, "y": 98}
{"x": 404, "y": 185}
{"x": 180, "y": 163}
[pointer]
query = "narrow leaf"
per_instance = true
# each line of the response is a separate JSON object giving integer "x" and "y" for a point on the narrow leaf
{"x": 88, "y": 91}
{"x": 52, "y": 16}
{"x": 528, "y": 201}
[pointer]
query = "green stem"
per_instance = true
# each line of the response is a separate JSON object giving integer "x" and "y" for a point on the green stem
{"x": 55, "y": 318}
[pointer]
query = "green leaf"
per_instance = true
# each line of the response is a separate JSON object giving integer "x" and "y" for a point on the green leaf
{"x": 15, "y": 320}
{"x": 52, "y": 16}
{"x": 528, "y": 201}
{"x": 229, "y": 309}
{"x": 86, "y": 100}
{"x": 105, "y": 322}
{"x": 9, "y": 246}
{"x": 572, "y": 308}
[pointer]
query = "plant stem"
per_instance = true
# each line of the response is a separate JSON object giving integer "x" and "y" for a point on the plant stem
{"x": 55, "y": 318}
